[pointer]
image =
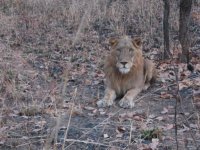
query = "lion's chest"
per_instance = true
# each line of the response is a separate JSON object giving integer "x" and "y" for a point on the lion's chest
{"x": 121, "y": 84}
{"x": 123, "y": 87}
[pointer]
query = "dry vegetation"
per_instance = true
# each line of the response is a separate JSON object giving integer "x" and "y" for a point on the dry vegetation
{"x": 51, "y": 54}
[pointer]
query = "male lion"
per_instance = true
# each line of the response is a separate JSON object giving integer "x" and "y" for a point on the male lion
{"x": 127, "y": 72}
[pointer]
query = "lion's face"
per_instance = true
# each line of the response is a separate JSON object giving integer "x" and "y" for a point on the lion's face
{"x": 124, "y": 50}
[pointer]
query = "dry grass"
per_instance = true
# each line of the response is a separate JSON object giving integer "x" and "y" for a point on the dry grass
{"x": 49, "y": 48}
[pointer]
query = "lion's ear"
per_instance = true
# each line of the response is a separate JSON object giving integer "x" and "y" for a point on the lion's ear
{"x": 137, "y": 42}
{"x": 113, "y": 41}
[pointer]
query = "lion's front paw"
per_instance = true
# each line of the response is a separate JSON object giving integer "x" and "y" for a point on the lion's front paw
{"x": 104, "y": 103}
{"x": 126, "y": 103}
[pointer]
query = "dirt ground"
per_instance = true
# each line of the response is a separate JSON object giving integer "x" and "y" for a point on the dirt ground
{"x": 51, "y": 78}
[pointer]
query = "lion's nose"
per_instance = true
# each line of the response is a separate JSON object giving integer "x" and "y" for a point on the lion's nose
{"x": 123, "y": 63}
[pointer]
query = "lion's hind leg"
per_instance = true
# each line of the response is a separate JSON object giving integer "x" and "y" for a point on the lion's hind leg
{"x": 149, "y": 73}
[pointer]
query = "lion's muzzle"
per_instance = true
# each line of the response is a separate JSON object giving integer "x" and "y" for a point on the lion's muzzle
{"x": 124, "y": 67}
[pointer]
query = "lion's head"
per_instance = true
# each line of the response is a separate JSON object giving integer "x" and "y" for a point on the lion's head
{"x": 125, "y": 50}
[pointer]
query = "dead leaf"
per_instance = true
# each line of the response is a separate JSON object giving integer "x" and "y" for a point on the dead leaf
{"x": 197, "y": 82}
{"x": 185, "y": 84}
{"x": 41, "y": 123}
{"x": 131, "y": 116}
{"x": 91, "y": 114}
{"x": 88, "y": 82}
{"x": 194, "y": 126}
{"x": 143, "y": 147}
{"x": 168, "y": 127}
{"x": 37, "y": 130}
{"x": 197, "y": 67}
{"x": 165, "y": 110}
{"x": 165, "y": 95}
{"x": 101, "y": 109}
{"x": 68, "y": 105}
{"x": 99, "y": 74}
{"x": 121, "y": 129}
{"x": 105, "y": 136}
{"x": 160, "y": 118}
{"x": 89, "y": 108}
{"x": 170, "y": 107}
{"x": 154, "y": 143}
{"x": 152, "y": 116}
{"x": 143, "y": 126}
{"x": 2, "y": 129}
{"x": 196, "y": 92}
{"x": 119, "y": 135}
{"x": 2, "y": 140}
{"x": 167, "y": 138}
{"x": 94, "y": 111}
{"x": 185, "y": 128}
{"x": 138, "y": 118}
{"x": 77, "y": 110}
{"x": 102, "y": 112}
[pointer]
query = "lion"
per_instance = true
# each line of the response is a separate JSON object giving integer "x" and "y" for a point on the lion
{"x": 127, "y": 73}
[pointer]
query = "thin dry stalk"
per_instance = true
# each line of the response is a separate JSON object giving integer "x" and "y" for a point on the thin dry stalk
{"x": 57, "y": 128}
{"x": 72, "y": 107}
{"x": 53, "y": 134}
{"x": 82, "y": 24}
{"x": 102, "y": 132}
{"x": 130, "y": 135}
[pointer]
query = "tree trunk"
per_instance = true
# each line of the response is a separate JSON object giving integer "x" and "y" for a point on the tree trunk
{"x": 166, "y": 29}
{"x": 184, "y": 20}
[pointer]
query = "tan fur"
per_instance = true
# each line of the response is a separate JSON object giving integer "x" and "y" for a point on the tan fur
{"x": 122, "y": 82}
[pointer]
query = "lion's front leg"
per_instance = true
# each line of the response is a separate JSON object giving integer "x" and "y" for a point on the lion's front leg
{"x": 108, "y": 99}
{"x": 128, "y": 100}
